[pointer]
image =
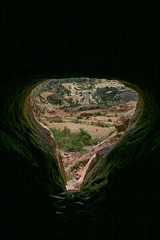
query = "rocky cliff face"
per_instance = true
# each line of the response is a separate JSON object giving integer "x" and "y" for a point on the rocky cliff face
{"x": 122, "y": 124}
{"x": 121, "y": 199}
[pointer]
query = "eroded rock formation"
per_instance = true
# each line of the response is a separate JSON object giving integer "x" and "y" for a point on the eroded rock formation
{"x": 122, "y": 124}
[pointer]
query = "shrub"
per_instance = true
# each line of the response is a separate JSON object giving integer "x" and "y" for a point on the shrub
{"x": 101, "y": 124}
{"x": 59, "y": 120}
{"x": 79, "y": 117}
{"x": 85, "y": 136}
{"x": 76, "y": 121}
{"x": 121, "y": 106}
{"x": 71, "y": 141}
{"x": 66, "y": 132}
{"x": 42, "y": 99}
{"x": 97, "y": 114}
{"x": 97, "y": 140}
{"x": 109, "y": 120}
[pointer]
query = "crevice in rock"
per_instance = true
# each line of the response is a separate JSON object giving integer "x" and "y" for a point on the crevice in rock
{"x": 87, "y": 162}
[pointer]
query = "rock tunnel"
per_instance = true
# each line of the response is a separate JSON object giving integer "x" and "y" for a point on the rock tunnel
{"x": 119, "y": 199}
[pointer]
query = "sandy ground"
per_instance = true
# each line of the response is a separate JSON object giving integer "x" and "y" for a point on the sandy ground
{"x": 74, "y": 97}
{"x": 93, "y": 130}
{"x": 46, "y": 94}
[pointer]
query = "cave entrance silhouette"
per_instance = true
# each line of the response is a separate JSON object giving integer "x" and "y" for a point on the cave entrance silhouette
{"x": 87, "y": 116}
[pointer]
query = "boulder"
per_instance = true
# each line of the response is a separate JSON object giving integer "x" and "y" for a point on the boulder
{"x": 122, "y": 123}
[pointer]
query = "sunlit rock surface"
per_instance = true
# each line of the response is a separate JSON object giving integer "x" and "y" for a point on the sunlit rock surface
{"x": 122, "y": 124}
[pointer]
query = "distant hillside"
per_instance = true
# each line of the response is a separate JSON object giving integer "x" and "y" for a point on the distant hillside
{"x": 79, "y": 93}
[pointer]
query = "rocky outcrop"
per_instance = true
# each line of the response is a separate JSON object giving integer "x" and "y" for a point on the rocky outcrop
{"x": 40, "y": 128}
{"x": 61, "y": 166}
{"x": 122, "y": 124}
{"x": 89, "y": 168}
{"x": 46, "y": 134}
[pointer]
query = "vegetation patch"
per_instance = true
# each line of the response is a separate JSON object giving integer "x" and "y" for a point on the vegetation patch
{"x": 101, "y": 124}
{"x": 71, "y": 141}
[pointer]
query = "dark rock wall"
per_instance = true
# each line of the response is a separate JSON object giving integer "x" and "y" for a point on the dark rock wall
{"x": 49, "y": 39}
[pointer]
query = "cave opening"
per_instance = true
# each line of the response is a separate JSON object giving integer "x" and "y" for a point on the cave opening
{"x": 86, "y": 116}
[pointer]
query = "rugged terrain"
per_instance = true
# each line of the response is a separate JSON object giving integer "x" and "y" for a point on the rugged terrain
{"x": 94, "y": 105}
